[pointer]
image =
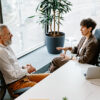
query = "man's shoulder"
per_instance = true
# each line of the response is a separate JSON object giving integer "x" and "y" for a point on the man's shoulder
{"x": 2, "y": 51}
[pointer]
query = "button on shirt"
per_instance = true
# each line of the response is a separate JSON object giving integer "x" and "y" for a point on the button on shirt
{"x": 9, "y": 65}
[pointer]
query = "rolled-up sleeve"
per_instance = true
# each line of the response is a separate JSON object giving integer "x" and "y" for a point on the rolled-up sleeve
{"x": 10, "y": 68}
{"x": 74, "y": 50}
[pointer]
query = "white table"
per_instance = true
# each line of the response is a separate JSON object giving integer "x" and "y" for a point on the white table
{"x": 67, "y": 81}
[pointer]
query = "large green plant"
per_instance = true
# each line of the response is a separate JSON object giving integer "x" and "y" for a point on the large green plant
{"x": 51, "y": 12}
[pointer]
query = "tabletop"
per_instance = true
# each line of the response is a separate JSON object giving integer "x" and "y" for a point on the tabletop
{"x": 68, "y": 81}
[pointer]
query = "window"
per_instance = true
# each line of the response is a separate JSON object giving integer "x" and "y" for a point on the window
{"x": 27, "y": 33}
{"x": 81, "y": 9}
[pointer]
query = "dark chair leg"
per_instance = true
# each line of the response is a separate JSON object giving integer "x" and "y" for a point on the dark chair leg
{"x": 2, "y": 94}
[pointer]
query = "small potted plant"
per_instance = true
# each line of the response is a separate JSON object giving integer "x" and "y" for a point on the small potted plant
{"x": 64, "y": 98}
{"x": 51, "y": 12}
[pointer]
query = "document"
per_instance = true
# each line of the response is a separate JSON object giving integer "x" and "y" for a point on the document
{"x": 39, "y": 99}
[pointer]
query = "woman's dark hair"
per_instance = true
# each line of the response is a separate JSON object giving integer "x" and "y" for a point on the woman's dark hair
{"x": 88, "y": 23}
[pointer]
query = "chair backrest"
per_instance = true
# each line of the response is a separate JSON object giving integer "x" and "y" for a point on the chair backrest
{"x": 2, "y": 87}
{"x": 97, "y": 35}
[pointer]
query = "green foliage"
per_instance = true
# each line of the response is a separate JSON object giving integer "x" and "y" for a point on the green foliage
{"x": 51, "y": 11}
{"x": 31, "y": 16}
{"x": 46, "y": 8}
{"x": 64, "y": 98}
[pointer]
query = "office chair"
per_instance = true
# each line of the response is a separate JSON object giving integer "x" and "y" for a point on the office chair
{"x": 97, "y": 35}
{"x": 3, "y": 88}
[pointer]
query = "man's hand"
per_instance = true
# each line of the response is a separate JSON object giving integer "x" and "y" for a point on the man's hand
{"x": 30, "y": 68}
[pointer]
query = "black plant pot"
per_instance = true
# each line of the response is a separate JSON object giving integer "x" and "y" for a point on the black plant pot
{"x": 53, "y": 42}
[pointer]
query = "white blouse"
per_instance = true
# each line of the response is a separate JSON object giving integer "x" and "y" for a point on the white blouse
{"x": 83, "y": 45}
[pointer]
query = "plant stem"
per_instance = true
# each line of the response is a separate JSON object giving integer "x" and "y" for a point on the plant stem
{"x": 58, "y": 20}
{"x": 51, "y": 28}
{"x": 54, "y": 23}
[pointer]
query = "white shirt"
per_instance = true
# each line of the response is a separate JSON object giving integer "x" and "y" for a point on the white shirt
{"x": 9, "y": 65}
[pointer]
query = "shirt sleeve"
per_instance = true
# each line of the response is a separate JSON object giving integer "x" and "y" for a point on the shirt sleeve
{"x": 74, "y": 50}
{"x": 8, "y": 69}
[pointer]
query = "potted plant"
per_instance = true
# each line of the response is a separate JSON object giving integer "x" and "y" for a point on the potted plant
{"x": 51, "y": 12}
{"x": 64, "y": 98}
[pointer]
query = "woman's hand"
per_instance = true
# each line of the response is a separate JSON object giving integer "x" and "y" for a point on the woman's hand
{"x": 66, "y": 58}
{"x": 65, "y": 49}
{"x": 63, "y": 55}
{"x": 60, "y": 48}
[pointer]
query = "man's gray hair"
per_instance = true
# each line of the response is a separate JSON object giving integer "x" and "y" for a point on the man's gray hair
{"x": 1, "y": 28}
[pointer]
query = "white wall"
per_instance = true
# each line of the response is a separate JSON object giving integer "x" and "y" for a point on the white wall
{"x": 81, "y": 9}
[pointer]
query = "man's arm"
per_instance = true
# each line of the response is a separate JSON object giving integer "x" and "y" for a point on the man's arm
{"x": 8, "y": 68}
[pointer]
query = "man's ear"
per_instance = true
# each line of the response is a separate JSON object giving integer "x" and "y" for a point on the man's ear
{"x": 0, "y": 37}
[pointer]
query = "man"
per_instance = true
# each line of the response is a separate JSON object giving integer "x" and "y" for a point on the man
{"x": 15, "y": 76}
{"x": 86, "y": 50}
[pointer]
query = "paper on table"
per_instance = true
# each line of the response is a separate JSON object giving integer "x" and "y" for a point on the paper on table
{"x": 39, "y": 99}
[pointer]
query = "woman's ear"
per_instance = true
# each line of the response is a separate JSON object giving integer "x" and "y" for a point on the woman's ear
{"x": 90, "y": 28}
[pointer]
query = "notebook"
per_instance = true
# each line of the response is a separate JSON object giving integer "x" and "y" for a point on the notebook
{"x": 93, "y": 73}
{"x": 39, "y": 99}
